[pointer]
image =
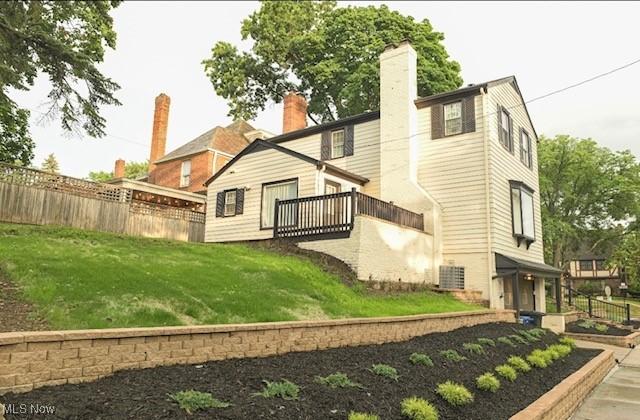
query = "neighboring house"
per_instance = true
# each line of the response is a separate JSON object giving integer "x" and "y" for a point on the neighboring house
{"x": 442, "y": 189}
{"x": 589, "y": 271}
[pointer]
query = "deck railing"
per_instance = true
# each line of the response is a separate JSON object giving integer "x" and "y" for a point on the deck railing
{"x": 334, "y": 213}
{"x": 596, "y": 308}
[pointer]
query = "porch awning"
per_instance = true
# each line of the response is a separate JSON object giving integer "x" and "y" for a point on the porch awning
{"x": 507, "y": 266}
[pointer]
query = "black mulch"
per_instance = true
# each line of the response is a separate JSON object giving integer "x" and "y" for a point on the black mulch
{"x": 142, "y": 394}
{"x": 574, "y": 327}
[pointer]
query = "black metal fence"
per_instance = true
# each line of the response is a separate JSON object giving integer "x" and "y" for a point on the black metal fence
{"x": 596, "y": 308}
{"x": 333, "y": 213}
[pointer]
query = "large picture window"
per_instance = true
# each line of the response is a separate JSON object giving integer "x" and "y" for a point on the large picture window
{"x": 282, "y": 190}
{"x": 522, "y": 213}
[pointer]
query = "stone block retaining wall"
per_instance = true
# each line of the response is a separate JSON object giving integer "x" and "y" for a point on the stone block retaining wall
{"x": 32, "y": 359}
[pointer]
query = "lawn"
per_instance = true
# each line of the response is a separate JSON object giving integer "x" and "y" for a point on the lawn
{"x": 82, "y": 279}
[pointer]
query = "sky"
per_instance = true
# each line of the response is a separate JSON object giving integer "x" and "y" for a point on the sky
{"x": 547, "y": 46}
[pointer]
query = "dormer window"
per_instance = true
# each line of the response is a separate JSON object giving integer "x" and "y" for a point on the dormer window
{"x": 522, "y": 213}
{"x": 453, "y": 118}
{"x": 337, "y": 144}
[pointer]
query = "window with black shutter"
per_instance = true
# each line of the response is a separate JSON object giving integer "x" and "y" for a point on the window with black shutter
{"x": 505, "y": 128}
{"x": 337, "y": 143}
{"x": 230, "y": 202}
{"x": 453, "y": 118}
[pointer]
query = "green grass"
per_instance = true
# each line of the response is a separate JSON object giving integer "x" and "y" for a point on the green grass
{"x": 191, "y": 401}
{"x": 84, "y": 279}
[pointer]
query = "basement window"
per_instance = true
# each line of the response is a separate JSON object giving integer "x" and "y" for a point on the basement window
{"x": 185, "y": 174}
{"x": 522, "y": 213}
{"x": 453, "y": 118}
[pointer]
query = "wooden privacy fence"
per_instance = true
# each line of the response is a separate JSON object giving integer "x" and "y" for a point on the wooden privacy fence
{"x": 36, "y": 197}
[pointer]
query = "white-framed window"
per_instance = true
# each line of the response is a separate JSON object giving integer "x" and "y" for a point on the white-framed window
{"x": 282, "y": 190}
{"x": 453, "y": 118}
{"x": 337, "y": 144}
{"x": 185, "y": 173}
{"x": 230, "y": 203}
{"x": 504, "y": 127}
{"x": 525, "y": 148}
{"x": 522, "y": 212}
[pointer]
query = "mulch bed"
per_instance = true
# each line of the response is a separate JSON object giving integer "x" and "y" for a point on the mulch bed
{"x": 574, "y": 327}
{"x": 142, "y": 394}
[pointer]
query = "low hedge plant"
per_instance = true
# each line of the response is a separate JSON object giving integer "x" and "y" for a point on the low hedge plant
{"x": 455, "y": 394}
{"x": 488, "y": 382}
{"x": 415, "y": 408}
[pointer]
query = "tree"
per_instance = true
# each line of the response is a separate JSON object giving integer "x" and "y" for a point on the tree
{"x": 64, "y": 40}
{"x": 50, "y": 164}
{"x": 132, "y": 170}
{"x": 627, "y": 255}
{"x": 328, "y": 54}
{"x": 588, "y": 193}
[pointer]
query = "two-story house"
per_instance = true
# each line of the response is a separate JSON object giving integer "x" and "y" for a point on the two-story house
{"x": 590, "y": 273}
{"x": 441, "y": 189}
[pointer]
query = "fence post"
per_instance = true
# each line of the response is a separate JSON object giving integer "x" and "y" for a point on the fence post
{"x": 628, "y": 314}
{"x": 590, "y": 306}
{"x": 558, "y": 295}
{"x": 275, "y": 218}
{"x": 570, "y": 296}
{"x": 353, "y": 207}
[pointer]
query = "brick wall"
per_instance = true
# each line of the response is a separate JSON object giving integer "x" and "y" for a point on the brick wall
{"x": 564, "y": 398}
{"x": 168, "y": 173}
{"x": 34, "y": 359}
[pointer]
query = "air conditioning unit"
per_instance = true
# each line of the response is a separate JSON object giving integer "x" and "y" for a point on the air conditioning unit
{"x": 451, "y": 277}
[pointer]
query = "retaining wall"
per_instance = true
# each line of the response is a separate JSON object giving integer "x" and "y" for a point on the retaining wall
{"x": 33, "y": 359}
{"x": 614, "y": 340}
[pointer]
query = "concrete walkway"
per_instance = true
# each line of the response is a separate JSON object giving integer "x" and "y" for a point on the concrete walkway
{"x": 618, "y": 396}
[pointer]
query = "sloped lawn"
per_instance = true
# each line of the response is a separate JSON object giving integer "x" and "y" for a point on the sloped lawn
{"x": 330, "y": 384}
{"x": 80, "y": 279}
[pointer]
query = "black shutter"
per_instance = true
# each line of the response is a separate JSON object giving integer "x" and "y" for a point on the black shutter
{"x": 436, "y": 121}
{"x": 348, "y": 140}
{"x": 500, "y": 132}
{"x": 469, "y": 114}
{"x": 239, "y": 200}
{"x": 511, "y": 148}
{"x": 220, "y": 204}
{"x": 325, "y": 147}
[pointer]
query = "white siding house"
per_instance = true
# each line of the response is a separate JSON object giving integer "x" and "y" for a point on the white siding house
{"x": 442, "y": 189}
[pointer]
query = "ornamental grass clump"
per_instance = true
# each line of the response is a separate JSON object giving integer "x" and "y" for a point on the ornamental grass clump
{"x": 587, "y": 324}
{"x": 548, "y": 356}
{"x": 602, "y": 328}
{"x": 486, "y": 342}
{"x": 191, "y": 401}
{"x": 385, "y": 370}
{"x": 337, "y": 380}
{"x": 473, "y": 348}
{"x": 420, "y": 359}
{"x": 507, "y": 372}
{"x": 538, "y": 332}
{"x": 507, "y": 341}
{"x": 562, "y": 349}
{"x": 284, "y": 389}
{"x": 452, "y": 355}
{"x": 362, "y": 416}
{"x": 528, "y": 336}
{"x": 518, "y": 339}
{"x": 455, "y": 394}
{"x": 519, "y": 364}
{"x": 415, "y": 408}
{"x": 488, "y": 382}
{"x": 538, "y": 359}
{"x": 567, "y": 341}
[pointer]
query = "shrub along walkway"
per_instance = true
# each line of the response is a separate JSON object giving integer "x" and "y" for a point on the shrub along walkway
{"x": 618, "y": 396}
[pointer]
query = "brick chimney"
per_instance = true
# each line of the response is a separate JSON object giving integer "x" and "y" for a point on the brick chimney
{"x": 118, "y": 171}
{"x": 160, "y": 124}
{"x": 294, "y": 116}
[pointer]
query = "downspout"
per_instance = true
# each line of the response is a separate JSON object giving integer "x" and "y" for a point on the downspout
{"x": 487, "y": 196}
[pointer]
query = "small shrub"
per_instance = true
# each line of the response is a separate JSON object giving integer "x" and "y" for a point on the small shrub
{"x": 285, "y": 390}
{"x": 416, "y": 408}
{"x": 386, "y": 371}
{"x": 562, "y": 349}
{"x": 547, "y": 355}
{"x": 486, "y": 342}
{"x": 528, "y": 336}
{"x": 602, "y": 328}
{"x": 488, "y": 382}
{"x": 507, "y": 341}
{"x": 191, "y": 401}
{"x": 518, "y": 339}
{"x": 473, "y": 348}
{"x": 552, "y": 354}
{"x": 362, "y": 416}
{"x": 537, "y": 359}
{"x": 337, "y": 380}
{"x": 567, "y": 341}
{"x": 538, "y": 332}
{"x": 452, "y": 355}
{"x": 587, "y": 324}
{"x": 420, "y": 359}
{"x": 507, "y": 372}
{"x": 519, "y": 364}
{"x": 454, "y": 394}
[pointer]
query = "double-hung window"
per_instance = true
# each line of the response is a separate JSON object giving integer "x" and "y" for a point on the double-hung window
{"x": 337, "y": 144}
{"x": 504, "y": 129}
{"x": 522, "y": 213}
{"x": 453, "y": 118}
{"x": 230, "y": 203}
{"x": 283, "y": 190}
{"x": 185, "y": 173}
{"x": 525, "y": 148}
{"x": 586, "y": 265}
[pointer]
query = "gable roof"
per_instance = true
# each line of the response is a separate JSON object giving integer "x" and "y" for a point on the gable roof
{"x": 260, "y": 145}
{"x": 228, "y": 139}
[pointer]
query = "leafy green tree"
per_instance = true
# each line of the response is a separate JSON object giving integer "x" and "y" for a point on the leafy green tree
{"x": 627, "y": 255}
{"x": 589, "y": 194}
{"x": 132, "y": 170}
{"x": 50, "y": 164}
{"x": 328, "y": 54}
{"x": 64, "y": 40}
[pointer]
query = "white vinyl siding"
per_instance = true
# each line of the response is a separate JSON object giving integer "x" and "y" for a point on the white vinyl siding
{"x": 185, "y": 173}
{"x": 271, "y": 192}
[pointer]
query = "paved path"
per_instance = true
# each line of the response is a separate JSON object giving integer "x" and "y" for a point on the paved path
{"x": 618, "y": 396}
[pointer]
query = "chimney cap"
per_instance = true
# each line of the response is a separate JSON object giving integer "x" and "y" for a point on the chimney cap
{"x": 405, "y": 41}
{"x": 390, "y": 46}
